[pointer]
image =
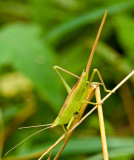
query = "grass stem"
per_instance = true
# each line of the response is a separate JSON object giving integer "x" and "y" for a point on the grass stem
{"x": 101, "y": 122}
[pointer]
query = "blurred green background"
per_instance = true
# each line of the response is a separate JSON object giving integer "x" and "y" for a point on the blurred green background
{"x": 38, "y": 34}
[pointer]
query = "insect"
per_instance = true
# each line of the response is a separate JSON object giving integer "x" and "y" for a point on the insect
{"x": 76, "y": 96}
{"x": 78, "y": 93}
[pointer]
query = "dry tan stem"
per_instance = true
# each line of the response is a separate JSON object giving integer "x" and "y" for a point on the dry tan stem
{"x": 53, "y": 146}
{"x": 101, "y": 122}
{"x": 95, "y": 43}
{"x": 82, "y": 119}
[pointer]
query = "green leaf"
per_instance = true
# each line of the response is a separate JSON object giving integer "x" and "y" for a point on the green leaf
{"x": 93, "y": 144}
{"x": 125, "y": 30}
{"x": 21, "y": 46}
{"x": 115, "y": 153}
{"x": 9, "y": 112}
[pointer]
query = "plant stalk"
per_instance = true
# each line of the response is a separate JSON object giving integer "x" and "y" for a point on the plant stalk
{"x": 101, "y": 122}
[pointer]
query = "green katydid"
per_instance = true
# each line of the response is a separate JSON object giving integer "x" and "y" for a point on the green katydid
{"x": 76, "y": 95}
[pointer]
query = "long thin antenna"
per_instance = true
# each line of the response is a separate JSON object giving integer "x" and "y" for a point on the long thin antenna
{"x": 35, "y": 126}
{"x": 95, "y": 43}
{"x": 26, "y": 139}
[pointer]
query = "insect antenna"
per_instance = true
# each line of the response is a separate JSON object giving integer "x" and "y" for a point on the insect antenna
{"x": 27, "y": 138}
{"x": 95, "y": 43}
{"x": 35, "y": 126}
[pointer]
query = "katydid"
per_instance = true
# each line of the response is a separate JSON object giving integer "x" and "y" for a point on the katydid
{"x": 76, "y": 95}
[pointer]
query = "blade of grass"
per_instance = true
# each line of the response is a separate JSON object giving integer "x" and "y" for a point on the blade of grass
{"x": 115, "y": 153}
{"x": 86, "y": 18}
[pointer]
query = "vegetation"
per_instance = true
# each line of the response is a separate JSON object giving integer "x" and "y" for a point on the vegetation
{"x": 35, "y": 35}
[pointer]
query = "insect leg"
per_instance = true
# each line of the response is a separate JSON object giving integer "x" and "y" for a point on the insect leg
{"x": 64, "y": 82}
{"x": 64, "y": 128}
{"x": 71, "y": 121}
{"x": 93, "y": 103}
{"x": 99, "y": 75}
{"x": 57, "y": 67}
{"x": 49, "y": 155}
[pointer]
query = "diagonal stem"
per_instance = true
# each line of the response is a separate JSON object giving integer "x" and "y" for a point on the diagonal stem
{"x": 83, "y": 118}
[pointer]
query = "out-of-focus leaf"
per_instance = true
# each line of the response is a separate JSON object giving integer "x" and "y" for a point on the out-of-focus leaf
{"x": 93, "y": 144}
{"x": 21, "y": 46}
{"x": 10, "y": 112}
{"x": 115, "y": 153}
{"x": 93, "y": 122}
{"x": 13, "y": 83}
{"x": 81, "y": 146}
{"x": 41, "y": 11}
{"x": 92, "y": 16}
{"x": 77, "y": 53}
{"x": 125, "y": 30}
{"x": 7, "y": 9}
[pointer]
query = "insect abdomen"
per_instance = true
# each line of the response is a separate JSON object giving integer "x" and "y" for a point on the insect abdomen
{"x": 73, "y": 102}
